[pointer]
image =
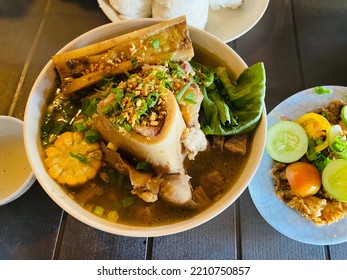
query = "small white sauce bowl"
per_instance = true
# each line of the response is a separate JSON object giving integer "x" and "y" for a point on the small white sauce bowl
{"x": 16, "y": 176}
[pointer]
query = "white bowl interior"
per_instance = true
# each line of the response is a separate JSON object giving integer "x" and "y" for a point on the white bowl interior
{"x": 36, "y": 106}
{"x": 16, "y": 176}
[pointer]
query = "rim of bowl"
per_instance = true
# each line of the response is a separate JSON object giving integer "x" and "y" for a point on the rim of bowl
{"x": 20, "y": 190}
{"x": 34, "y": 151}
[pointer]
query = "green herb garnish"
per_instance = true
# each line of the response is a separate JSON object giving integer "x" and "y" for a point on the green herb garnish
{"x": 89, "y": 106}
{"x": 79, "y": 156}
{"x": 322, "y": 90}
{"x": 183, "y": 90}
{"x": 92, "y": 136}
{"x": 155, "y": 43}
{"x": 189, "y": 98}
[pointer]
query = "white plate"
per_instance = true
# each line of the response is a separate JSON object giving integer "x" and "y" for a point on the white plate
{"x": 286, "y": 220}
{"x": 226, "y": 24}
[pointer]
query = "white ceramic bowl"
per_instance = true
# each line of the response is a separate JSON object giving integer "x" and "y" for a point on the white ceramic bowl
{"x": 37, "y": 103}
{"x": 16, "y": 176}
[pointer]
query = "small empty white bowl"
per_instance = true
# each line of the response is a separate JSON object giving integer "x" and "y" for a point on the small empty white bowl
{"x": 16, "y": 176}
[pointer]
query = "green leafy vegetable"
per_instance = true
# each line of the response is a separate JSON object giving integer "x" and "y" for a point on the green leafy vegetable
{"x": 233, "y": 108}
{"x": 224, "y": 113}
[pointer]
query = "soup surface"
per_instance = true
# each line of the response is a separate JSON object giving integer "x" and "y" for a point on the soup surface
{"x": 131, "y": 210}
{"x": 12, "y": 174}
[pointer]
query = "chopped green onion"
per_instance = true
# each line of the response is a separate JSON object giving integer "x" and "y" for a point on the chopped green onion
{"x": 126, "y": 126}
{"x": 92, "y": 136}
{"x": 89, "y": 106}
{"x": 337, "y": 146}
{"x": 322, "y": 90}
{"x": 189, "y": 98}
{"x": 161, "y": 75}
{"x": 119, "y": 94}
{"x": 108, "y": 108}
{"x": 59, "y": 127}
{"x": 321, "y": 162}
{"x": 311, "y": 151}
{"x": 177, "y": 70}
{"x": 183, "y": 90}
{"x": 78, "y": 126}
{"x": 127, "y": 201}
{"x": 155, "y": 43}
{"x": 130, "y": 95}
{"x": 79, "y": 156}
{"x": 152, "y": 99}
{"x": 167, "y": 84}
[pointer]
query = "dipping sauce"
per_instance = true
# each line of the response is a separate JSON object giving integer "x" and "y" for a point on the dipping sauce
{"x": 14, "y": 165}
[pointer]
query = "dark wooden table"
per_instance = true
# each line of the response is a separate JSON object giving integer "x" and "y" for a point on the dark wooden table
{"x": 302, "y": 43}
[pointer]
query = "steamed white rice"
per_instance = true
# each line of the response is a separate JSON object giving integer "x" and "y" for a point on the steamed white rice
{"x": 217, "y": 4}
{"x": 129, "y": 9}
{"x": 196, "y": 11}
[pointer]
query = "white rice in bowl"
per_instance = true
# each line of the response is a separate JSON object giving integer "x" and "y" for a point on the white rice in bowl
{"x": 132, "y": 8}
{"x": 196, "y": 11}
{"x": 217, "y": 4}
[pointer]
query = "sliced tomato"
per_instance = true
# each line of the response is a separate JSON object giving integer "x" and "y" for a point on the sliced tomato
{"x": 303, "y": 178}
{"x": 316, "y": 127}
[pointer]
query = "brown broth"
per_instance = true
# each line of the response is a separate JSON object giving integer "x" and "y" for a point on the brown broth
{"x": 208, "y": 58}
{"x": 140, "y": 213}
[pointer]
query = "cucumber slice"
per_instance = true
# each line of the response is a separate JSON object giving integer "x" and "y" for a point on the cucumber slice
{"x": 334, "y": 179}
{"x": 286, "y": 141}
{"x": 344, "y": 115}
